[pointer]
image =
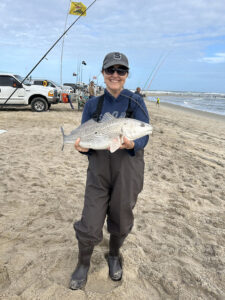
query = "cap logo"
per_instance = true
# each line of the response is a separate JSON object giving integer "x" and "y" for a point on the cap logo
{"x": 117, "y": 55}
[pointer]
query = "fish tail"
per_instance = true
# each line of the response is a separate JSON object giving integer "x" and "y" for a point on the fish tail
{"x": 63, "y": 137}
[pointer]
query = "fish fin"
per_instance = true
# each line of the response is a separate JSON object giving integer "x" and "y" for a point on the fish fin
{"x": 90, "y": 122}
{"x": 107, "y": 117}
{"x": 62, "y": 130}
{"x": 115, "y": 144}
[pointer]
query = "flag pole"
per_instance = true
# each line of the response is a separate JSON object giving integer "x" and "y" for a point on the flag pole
{"x": 63, "y": 43}
{"x": 51, "y": 49}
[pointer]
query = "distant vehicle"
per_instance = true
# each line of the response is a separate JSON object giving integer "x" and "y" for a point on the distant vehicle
{"x": 51, "y": 83}
{"x": 67, "y": 89}
{"x": 39, "y": 97}
{"x": 47, "y": 83}
{"x": 73, "y": 85}
{"x": 81, "y": 85}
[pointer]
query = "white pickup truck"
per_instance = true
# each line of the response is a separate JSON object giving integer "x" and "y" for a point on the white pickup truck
{"x": 38, "y": 97}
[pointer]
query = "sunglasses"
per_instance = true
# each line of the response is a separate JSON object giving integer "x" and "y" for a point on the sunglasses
{"x": 120, "y": 71}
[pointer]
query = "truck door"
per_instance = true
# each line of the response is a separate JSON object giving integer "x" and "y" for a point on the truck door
{"x": 8, "y": 84}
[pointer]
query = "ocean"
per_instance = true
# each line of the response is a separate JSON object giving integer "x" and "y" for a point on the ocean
{"x": 212, "y": 104}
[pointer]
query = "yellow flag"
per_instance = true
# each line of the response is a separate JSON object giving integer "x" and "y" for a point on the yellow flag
{"x": 77, "y": 8}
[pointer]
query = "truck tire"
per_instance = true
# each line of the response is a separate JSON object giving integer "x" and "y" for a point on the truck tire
{"x": 39, "y": 104}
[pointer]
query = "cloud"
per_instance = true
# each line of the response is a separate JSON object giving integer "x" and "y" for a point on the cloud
{"x": 218, "y": 58}
{"x": 146, "y": 22}
{"x": 141, "y": 29}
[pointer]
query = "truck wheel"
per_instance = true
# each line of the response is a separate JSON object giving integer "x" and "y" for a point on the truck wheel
{"x": 39, "y": 104}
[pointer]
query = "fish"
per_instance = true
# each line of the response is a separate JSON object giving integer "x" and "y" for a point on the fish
{"x": 108, "y": 133}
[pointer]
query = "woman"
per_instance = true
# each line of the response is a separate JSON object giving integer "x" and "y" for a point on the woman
{"x": 114, "y": 180}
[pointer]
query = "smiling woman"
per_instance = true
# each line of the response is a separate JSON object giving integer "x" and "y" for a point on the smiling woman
{"x": 114, "y": 179}
{"x": 115, "y": 71}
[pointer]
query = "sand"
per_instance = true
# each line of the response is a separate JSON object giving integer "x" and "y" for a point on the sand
{"x": 176, "y": 249}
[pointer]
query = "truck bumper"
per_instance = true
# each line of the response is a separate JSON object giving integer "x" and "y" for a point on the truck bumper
{"x": 53, "y": 100}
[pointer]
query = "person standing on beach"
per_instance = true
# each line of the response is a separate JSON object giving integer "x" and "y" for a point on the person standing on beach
{"x": 114, "y": 180}
{"x": 138, "y": 92}
{"x": 91, "y": 89}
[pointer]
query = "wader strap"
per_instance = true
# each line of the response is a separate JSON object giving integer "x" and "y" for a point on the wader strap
{"x": 96, "y": 114}
{"x": 129, "y": 112}
{"x": 98, "y": 111}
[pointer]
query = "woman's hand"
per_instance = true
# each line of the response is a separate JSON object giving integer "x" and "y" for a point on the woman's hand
{"x": 78, "y": 147}
{"x": 127, "y": 144}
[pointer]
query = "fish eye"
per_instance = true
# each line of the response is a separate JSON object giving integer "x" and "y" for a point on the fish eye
{"x": 142, "y": 125}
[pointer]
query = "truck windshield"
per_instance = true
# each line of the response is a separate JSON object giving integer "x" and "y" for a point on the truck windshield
{"x": 20, "y": 78}
{"x": 55, "y": 83}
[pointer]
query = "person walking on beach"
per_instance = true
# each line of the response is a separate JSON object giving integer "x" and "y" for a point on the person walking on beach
{"x": 157, "y": 102}
{"x": 114, "y": 180}
{"x": 91, "y": 89}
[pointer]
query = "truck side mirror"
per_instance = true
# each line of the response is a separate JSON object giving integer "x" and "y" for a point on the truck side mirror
{"x": 17, "y": 84}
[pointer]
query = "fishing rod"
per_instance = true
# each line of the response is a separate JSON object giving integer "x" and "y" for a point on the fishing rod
{"x": 153, "y": 70}
{"x": 135, "y": 101}
{"x": 82, "y": 13}
{"x": 157, "y": 70}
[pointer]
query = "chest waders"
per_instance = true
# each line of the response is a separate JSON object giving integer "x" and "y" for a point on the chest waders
{"x": 113, "y": 183}
{"x": 97, "y": 113}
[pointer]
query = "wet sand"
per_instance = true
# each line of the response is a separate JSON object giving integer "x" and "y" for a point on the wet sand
{"x": 176, "y": 249}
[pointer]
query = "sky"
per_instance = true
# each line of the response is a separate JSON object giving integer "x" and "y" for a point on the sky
{"x": 176, "y": 45}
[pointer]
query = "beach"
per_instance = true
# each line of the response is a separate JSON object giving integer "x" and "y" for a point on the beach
{"x": 176, "y": 249}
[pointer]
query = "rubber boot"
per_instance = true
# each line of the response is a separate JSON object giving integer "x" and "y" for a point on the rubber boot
{"x": 79, "y": 276}
{"x": 114, "y": 259}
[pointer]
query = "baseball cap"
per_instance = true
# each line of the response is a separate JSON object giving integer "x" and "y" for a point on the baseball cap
{"x": 115, "y": 58}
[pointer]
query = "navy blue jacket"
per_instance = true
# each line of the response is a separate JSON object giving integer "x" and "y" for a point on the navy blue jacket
{"x": 118, "y": 107}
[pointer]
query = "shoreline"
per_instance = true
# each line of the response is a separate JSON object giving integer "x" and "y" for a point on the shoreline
{"x": 184, "y": 94}
{"x": 192, "y": 110}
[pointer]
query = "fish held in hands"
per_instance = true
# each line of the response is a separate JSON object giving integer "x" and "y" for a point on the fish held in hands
{"x": 108, "y": 133}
